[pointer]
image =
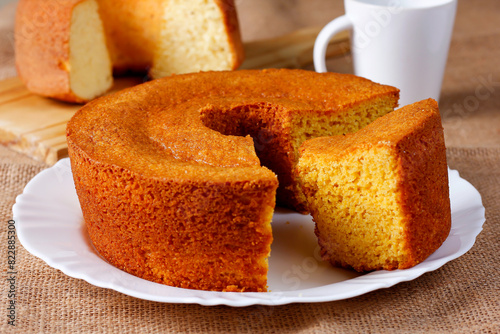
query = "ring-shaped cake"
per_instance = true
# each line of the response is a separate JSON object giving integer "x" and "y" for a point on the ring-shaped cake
{"x": 177, "y": 177}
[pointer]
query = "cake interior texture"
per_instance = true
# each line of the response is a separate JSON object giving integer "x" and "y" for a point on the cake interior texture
{"x": 279, "y": 126}
{"x": 90, "y": 66}
{"x": 192, "y": 39}
{"x": 379, "y": 197}
{"x": 313, "y": 125}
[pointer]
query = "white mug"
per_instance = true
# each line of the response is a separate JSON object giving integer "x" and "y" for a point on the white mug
{"x": 402, "y": 43}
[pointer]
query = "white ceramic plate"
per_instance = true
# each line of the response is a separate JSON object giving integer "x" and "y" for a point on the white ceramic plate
{"x": 50, "y": 226}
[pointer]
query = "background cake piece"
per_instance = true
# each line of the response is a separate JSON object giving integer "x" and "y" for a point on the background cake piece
{"x": 61, "y": 49}
{"x": 68, "y": 50}
{"x": 379, "y": 197}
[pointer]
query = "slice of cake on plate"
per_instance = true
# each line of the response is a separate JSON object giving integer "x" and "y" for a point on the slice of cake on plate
{"x": 380, "y": 197}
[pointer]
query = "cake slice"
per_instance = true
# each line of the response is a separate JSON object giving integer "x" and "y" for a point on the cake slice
{"x": 379, "y": 197}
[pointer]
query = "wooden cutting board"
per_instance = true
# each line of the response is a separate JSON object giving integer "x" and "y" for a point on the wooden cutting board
{"x": 35, "y": 126}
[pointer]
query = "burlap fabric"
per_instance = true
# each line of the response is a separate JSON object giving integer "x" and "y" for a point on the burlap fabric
{"x": 461, "y": 297}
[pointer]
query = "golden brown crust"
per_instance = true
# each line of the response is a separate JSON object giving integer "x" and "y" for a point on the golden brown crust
{"x": 42, "y": 31}
{"x": 424, "y": 185}
{"x": 169, "y": 155}
{"x": 146, "y": 227}
{"x": 230, "y": 15}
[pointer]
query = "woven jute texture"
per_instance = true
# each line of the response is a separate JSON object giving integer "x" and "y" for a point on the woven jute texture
{"x": 460, "y": 297}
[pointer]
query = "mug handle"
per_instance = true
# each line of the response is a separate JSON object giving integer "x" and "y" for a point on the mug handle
{"x": 334, "y": 27}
